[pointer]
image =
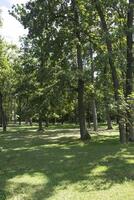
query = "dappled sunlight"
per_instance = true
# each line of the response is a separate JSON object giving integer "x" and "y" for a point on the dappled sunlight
{"x": 50, "y": 165}
{"x": 24, "y": 186}
{"x": 30, "y": 179}
{"x": 99, "y": 170}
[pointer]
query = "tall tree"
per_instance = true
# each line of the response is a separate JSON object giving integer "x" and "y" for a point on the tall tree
{"x": 130, "y": 70}
{"x": 121, "y": 120}
{"x": 81, "y": 106}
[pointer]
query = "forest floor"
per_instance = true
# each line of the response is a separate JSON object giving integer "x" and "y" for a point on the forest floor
{"x": 56, "y": 165}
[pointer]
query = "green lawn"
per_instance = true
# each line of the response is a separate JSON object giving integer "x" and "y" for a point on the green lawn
{"x": 56, "y": 165}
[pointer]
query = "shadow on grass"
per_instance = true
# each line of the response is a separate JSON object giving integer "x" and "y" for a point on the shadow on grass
{"x": 64, "y": 160}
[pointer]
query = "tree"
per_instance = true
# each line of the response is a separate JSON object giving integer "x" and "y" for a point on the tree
{"x": 130, "y": 71}
{"x": 115, "y": 78}
{"x": 40, "y": 31}
{"x": 6, "y": 74}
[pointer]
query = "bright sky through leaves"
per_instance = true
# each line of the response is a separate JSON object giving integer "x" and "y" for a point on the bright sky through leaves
{"x": 11, "y": 29}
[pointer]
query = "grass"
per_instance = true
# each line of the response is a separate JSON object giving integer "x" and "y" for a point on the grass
{"x": 56, "y": 165}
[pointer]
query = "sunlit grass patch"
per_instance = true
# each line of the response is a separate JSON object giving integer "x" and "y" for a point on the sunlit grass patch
{"x": 57, "y": 165}
{"x": 34, "y": 179}
{"x": 23, "y": 186}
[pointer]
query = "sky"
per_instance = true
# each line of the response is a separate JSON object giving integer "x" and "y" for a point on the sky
{"x": 11, "y": 29}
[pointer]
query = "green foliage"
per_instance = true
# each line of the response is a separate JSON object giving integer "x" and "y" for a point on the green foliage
{"x": 46, "y": 71}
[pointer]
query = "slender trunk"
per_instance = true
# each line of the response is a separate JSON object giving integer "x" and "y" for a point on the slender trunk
{"x": 30, "y": 121}
{"x": 94, "y": 111}
{"x": 0, "y": 117}
{"x": 81, "y": 107}
{"x": 3, "y": 115}
{"x": 14, "y": 111}
{"x": 120, "y": 114}
{"x": 20, "y": 111}
{"x": 19, "y": 120}
{"x": 40, "y": 122}
{"x": 4, "y": 121}
{"x": 95, "y": 121}
{"x": 62, "y": 120}
{"x": 129, "y": 72}
{"x": 106, "y": 99}
{"x": 47, "y": 122}
{"x": 109, "y": 123}
{"x": 123, "y": 134}
{"x": 88, "y": 117}
{"x": 108, "y": 117}
{"x": 55, "y": 120}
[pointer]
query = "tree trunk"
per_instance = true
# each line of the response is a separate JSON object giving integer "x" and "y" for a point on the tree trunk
{"x": 3, "y": 115}
{"x": 20, "y": 111}
{"x": 20, "y": 120}
{"x": 4, "y": 121}
{"x": 62, "y": 120}
{"x": 129, "y": 73}
{"x": 81, "y": 107}
{"x": 108, "y": 118}
{"x": 123, "y": 135}
{"x": 95, "y": 121}
{"x": 30, "y": 121}
{"x": 14, "y": 112}
{"x": 40, "y": 123}
{"x": 88, "y": 117}
{"x": 106, "y": 98}
{"x": 0, "y": 118}
{"x": 54, "y": 120}
{"x": 120, "y": 114}
{"x": 47, "y": 122}
{"x": 109, "y": 123}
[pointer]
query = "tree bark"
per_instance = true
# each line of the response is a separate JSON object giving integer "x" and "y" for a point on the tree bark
{"x": 4, "y": 121}
{"x": 14, "y": 110}
{"x": 0, "y": 118}
{"x": 94, "y": 111}
{"x": 108, "y": 117}
{"x": 95, "y": 121}
{"x": 88, "y": 116}
{"x": 40, "y": 122}
{"x": 20, "y": 111}
{"x": 30, "y": 121}
{"x": 3, "y": 115}
{"x": 62, "y": 120}
{"x": 47, "y": 122}
{"x": 129, "y": 72}
{"x": 81, "y": 107}
{"x": 106, "y": 99}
